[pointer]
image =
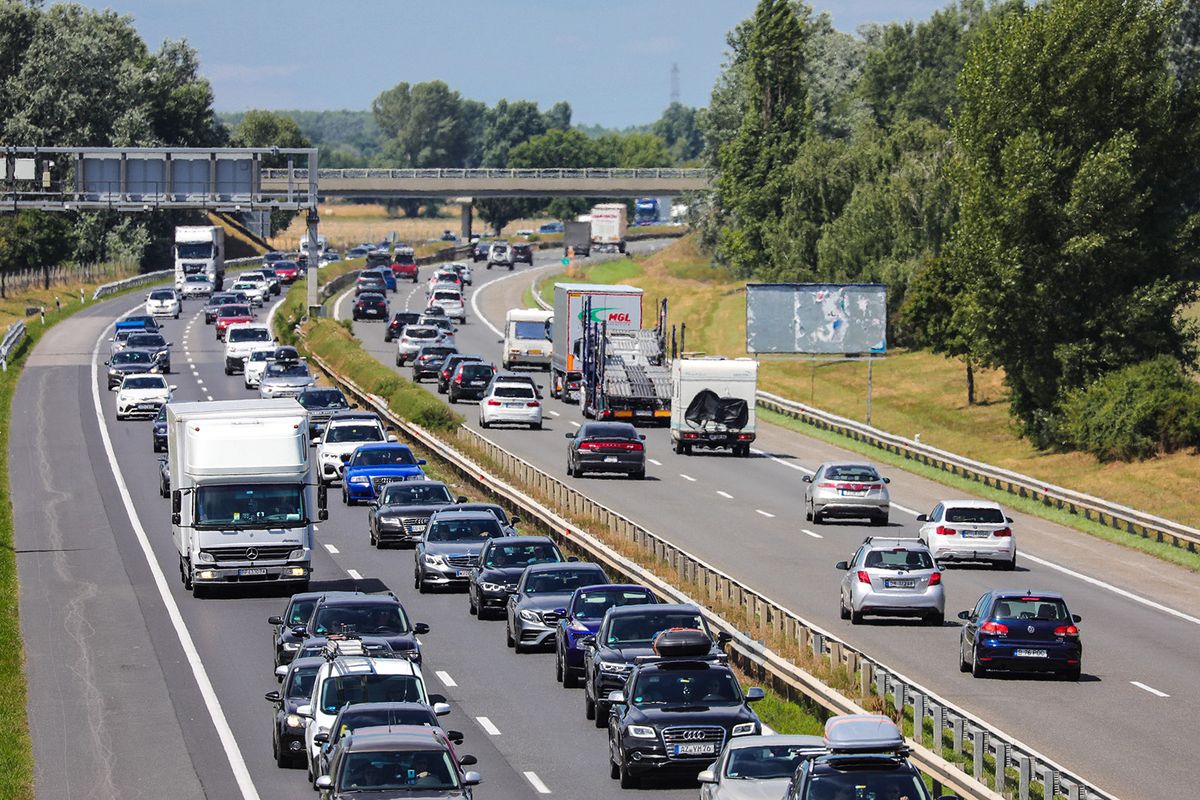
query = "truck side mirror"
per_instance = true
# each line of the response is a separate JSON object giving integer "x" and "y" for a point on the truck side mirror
{"x": 322, "y": 497}
{"x": 322, "y": 514}
{"x": 176, "y": 502}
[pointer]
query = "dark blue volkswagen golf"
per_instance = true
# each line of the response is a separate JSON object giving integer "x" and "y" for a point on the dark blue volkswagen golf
{"x": 582, "y": 617}
{"x": 1020, "y": 631}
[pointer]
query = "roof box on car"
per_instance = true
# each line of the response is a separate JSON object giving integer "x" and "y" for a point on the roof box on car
{"x": 675, "y": 642}
{"x": 862, "y": 733}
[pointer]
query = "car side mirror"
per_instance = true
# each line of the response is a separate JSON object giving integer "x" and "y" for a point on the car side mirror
{"x": 472, "y": 778}
{"x": 115, "y": 389}
{"x": 842, "y": 565}
{"x": 106, "y": 363}
{"x": 393, "y": 437}
{"x": 514, "y": 520}
{"x": 616, "y": 697}
{"x": 587, "y": 641}
{"x": 420, "y": 628}
{"x": 724, "y": 637}
{"x": 642, "y": 436}
{"x": 922, "y": 518}
{"x": 322, "y": 497}
{"x": 323, "y": 782}
{"x": 321, "y": 738}
{"x": 421, "y": 462}
{"x": 176, "y": 502}
{"x": 305, "y": 710}
{"x": 275, "y": 620}
{"x": 441, "y": 709}
{"x": 281, "y": 672}
{"x": 436, "y": 698}
{"x": 707, "y": 776}
{"x": 274, "y": 696}
{"x": 754, "y": 694}
{"x": 455, "y": 736}
{"x": 345, "y": 457}
{"x": 468, "y": 761}
{"x": 569, "y": 435}
{"x": 1076, "y": 618}
{"x": 322, "y": 514}
{"x": 354, "y": 405}
{"x": 572, "y": 559}
{"x": 172, "y": 386}
{"x": 965, "y": 615}
{"x": 1008, "y": 520}
{"x": 562, "y": 612}
{"x": 887, "y": 480}
{"x": 462, "y": 498}
{"x": 299, "y": 630}
{"x": 807, "y": 478}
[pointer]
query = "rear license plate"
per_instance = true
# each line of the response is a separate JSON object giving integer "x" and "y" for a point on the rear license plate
{"x": 474, "y": 383}
{"x": 1031, "y": 653}
{"x": 610, "y": 459}
{"x": 973, "y": 534}
{"x": 642, "y": 413}
{"x": 899, "y": 583}
{"x": 695, "y": 749}
{"x": 850, "y": 493}
{"x": 512, "y": 405}
{"x": 254, "y": 571}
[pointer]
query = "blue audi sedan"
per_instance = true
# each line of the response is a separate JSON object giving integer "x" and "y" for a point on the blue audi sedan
{"x": 1020, "y": 631}
{"x": 582, "y": 617}
{"x": 372, "y": 466}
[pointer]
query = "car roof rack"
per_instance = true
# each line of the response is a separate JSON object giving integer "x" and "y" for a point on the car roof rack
{"x": 338, "y": 645}
{"x": 684, "y": 662}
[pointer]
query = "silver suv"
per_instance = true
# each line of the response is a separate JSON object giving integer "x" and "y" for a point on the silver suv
{"x": 500, "y": 254}
{"x": 892, "y": 578}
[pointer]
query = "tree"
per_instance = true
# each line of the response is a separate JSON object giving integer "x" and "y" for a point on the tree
{"x": 391, "y": 109}
{"x": 1079, "y": 219}
{"x": 558, "y": 117}
{"x": 632, "y": 151}
{"x": 834, "y": 65}
{"x": 270, "y": 129}
{"x": 680, "y": 131}
{"x": 32, "y": 239}
{"x": 508, "y": 125}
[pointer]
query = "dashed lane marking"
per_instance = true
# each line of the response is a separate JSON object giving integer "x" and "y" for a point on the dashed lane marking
{"x": 655, "y": 462}
{"x": 764, "y": 513}
{"x": 536, "y": 782}
{"x": 726, "y": 495}
{"x": 687, "y": 477}
{"x": 813, "y": 534}
{"x": 353, "y": 573}
{"x": 1150, "y": 689}
{"x": 332, "y": 549}
{"x": 488, "y": 726}
{"x": 445, "y": 678}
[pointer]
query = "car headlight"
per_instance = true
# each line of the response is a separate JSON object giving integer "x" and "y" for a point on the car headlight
{"x": 642, "y": 732}
{"x": 615, "y": 667}
{"x": 291, "y": 647}
{"x": 361, "y": 479}
{"x": 389, "y": 522}
{"x": 435, "y": 561}
{"x": 491, "y": 587}
{"x": 206, "y": 557}
{"x": 294, "y": 721}
{"x": 529, "y": 616}
{"x": 744, "y": 729}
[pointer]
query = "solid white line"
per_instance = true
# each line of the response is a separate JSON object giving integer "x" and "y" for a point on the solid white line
{"x": 1150, "y": 689}
{"x": 353, "y": 573}
{"x": 537, "y": 782}
{"x": 576, "y": 424}
{"x": 777, "y": 460}
{"x": 331, "y": 549}
{"x": 687, "y": 477}
{"x": 445, "y": 678}
{"x": 655, "y": 462}
{"x": 475, "y": 296}
{"x": 764, "y": 513}
{"x": 908, "y": 511}
{"x": 1114, "y": 589}
{"x": 726, "y": 495}
{"x": 236, "y": 762}
{"x": 337, "y": 304}
{"x": 488, "y": 726}
{"x": 813, "y": 534}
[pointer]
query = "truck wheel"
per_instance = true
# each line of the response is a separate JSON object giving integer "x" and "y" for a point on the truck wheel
{"x": 185, "y": 574}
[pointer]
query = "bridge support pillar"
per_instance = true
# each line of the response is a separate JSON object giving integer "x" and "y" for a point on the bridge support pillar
{"x": 466, "y": 222}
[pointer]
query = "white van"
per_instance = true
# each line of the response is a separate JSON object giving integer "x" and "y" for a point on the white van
{"x": 527, "y": 338}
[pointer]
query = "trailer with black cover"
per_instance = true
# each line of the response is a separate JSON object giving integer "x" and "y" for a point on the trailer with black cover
{"x": 712, "y": 404}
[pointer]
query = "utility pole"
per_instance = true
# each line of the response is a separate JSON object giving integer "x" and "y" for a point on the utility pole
{"x": 675, "y": 83}
{"x": 312, "y": 220}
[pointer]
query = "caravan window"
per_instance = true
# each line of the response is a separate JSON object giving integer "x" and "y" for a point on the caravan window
{"x": 531, "y": 330}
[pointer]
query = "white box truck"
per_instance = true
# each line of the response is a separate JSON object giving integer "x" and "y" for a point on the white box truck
{"x": 712, "y": 403}
{"x": 527, "y": 338}
{"x": 619, "y": 306}
{"x": 241, "y": 511}
{"x": 609, "y": 221}
{"x": 200, "y": 250}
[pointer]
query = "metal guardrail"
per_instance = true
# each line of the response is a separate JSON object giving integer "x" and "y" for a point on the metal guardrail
{"x": 12, "y": 338}
{"x": 541, "y": 174}
{"x": 106, "y": 289}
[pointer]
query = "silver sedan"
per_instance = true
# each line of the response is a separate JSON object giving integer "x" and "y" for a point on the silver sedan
{"x": 755, "y": 767}
{"x": 846, "y": 490}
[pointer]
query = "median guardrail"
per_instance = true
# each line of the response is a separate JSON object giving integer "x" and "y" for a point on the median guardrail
{"x": 483, "y": 172}
{"x": 12, "y": 339}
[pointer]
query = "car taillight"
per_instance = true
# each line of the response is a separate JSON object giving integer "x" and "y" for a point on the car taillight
{"x": 1066, "y": 630}
{"x": 532, "y": 404}
{"x": 994, "y": 628}
{"x": 942, "y": 530}
{"x": 826, "y": 485}
{"x": 587, "y": 446}
{"x": 863, "y": 577}
{"x": 1003, "y": 532}
{"x": 634, "y": 446}
{"x": 494, "y": 402}
{"x": 458, "y": 378}
{"x": 935, "y": 579}
{"x": 745, "y": 437}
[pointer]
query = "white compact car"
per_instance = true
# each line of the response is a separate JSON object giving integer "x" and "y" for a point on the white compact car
{"x": 414, "y": 337}
{"x": 451, "y": 301}
{"x": 163, "y": 303}
{"x": 342, "y": 436}
{"x": 196, "y": 286}
{"x": 511, "y": 403}
{"x": 969, "y": 530}
{"x": 242, "y": 339}
{"x": 254, "y": 366}
{"x": 142, "y": 395}
{"x": 255, "y": 291}
{"x": 500, "y": 254}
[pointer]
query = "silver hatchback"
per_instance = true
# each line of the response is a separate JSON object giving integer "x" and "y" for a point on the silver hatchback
{"x": 846, "y": 490}
{"x": 892, "y": 578}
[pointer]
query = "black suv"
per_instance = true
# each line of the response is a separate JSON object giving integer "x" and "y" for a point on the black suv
{"x": 523, "y": 252}
{"x": 626, "y": 634}
{"x": 448, "y": 366}
{"x": 496, "y": 575}
{"x": 399, "y": 320}
{"x": 400, "y": 515}
{"x": 299, "y": 609}
{"x": 379, "y": 615}
{"x": 676, "y": 712}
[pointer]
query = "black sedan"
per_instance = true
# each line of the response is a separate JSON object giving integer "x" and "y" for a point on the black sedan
{"x": 427, "y": 361}
{"x": 370, "y": 305}
{"x": 496, "y": 574}
{"x": 287, "y": 738}
{"x": 480, "y": 251}
{"x": 606, "y": 447}
{"x": 399, "y": 320}
{"x": 368, "y": 615}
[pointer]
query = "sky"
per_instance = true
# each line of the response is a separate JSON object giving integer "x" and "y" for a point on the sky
{"x": 610, "y": 60}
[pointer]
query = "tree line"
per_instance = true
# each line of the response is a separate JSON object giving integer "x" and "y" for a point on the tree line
{"x": 1024, "y": 177}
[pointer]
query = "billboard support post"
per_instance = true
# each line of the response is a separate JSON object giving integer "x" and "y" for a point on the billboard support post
{"x": 870, "y": 361}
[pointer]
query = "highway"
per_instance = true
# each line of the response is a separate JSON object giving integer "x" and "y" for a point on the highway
{"x": 136, "y": 686}
{"x": 1141, "y": 616}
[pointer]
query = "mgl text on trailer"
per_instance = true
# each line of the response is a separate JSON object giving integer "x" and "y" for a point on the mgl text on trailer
{"x": 625, "y": 375}
{"x": 620, "y": 307}
{"x": 241, "y": 511}
{"x": 200, "y": 250}
{"x": 712, "y": 403}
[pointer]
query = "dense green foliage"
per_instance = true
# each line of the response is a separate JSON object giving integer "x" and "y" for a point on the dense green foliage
{"x": 270, "y": 129}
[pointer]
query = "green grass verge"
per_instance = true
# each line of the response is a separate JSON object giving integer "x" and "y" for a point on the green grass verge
{"x": 1162, "y": 550}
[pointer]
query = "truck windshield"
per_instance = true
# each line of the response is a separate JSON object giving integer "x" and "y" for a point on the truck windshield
{"x": 530, "y": 330}
{"x": 193, "y": 250}
{"x": 258, "y": 505}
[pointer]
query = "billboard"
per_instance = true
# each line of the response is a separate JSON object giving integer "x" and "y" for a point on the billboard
{"x": 816, "y": 318}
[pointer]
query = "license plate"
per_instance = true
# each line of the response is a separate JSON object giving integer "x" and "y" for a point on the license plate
{"x": 512, "y": 405}
{"x": 147, "y": 406}
{"x": 973, "y": 534}
{"x": 417, "y": 528}
{"x": 899, "y": 583}
{"x": 1031, "y": 654}
{"x": 695, "y": 749}
{"x": 461, "y": 573}
{"x": 850, "y": 493}
{"x": 253, "y": 571}
{"x": 535, "y": 352}
{"x": 610, "y": 459}
{"x": 474, "y": 383}
{"x": 641, "y": 413}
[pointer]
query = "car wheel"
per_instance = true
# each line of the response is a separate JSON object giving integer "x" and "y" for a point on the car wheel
{"x": 1010, "y": 565}
{"x": 511, "y": 267}
{"x": 570, "y": 679}
{"x": 483, "y": 423}
{"x": 508, "y": 637}
{"x": 880, "y": 521}
{"x": 419, "y": 584}
{"x": 371, "y": 536}
{"x": 640, "y": 475}
{"x": 228, "y": 371}
{"x": 1072, "y": 673}
{"x": 535, "y": 426}
{"x": 817, "y": 517}
{"x": 558, "y": 665}
{"x": 601, "y": 719}
{"x": 856, "y": 617}
{"x": 185, "y": 575}
{"x": 450, "y": 398}
{"x": 589, "y": 707}
{"x": 614, "y": 770}
{"x": 963, "y": 664}
{"x": 628, "y": 780}
{"x": 977, "y": 668}
{"x": 936, "y": 620}
{"x": 808, "y": 514}
{"x": 283, "y": 759}
{"x": 399, "y": 363}
{"x": 472, "y": 609}
{"x": 843, "y": 612}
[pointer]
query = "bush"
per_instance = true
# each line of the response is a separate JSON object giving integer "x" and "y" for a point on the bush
{"x": 1137, "y": 412}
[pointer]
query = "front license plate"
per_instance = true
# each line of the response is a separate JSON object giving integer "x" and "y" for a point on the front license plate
{"x": 535, "y": 352}
{"x": 147, "y": 406}
{"x": 695, "y": 749}
{"x": 1031, "y": 654}
{"x": 899, "y": 584}
{"x": 461, "y": 573}
{"x": 253, "y": 571}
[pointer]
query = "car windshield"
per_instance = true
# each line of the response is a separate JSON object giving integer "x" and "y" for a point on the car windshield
{"x": 562, "y": 581}
{"x": 435, "y": 353}
{"x": 864, "y": 785}
{"x": 421, "y": 771}
{"x": 194, "y": 249}
{"x": 123, "y": 336}
{"x": 529, "y": 330}
{"x": 358, "y": 432}
{"x": 246, "y": 287}
{"x": 196, "y": 279}
{"x": 146, "y": 340}
{"x": 261, "y": 355}
{"x": 234, "y": 311}
{"x": 522, "y": 555}
{"x": 145, "y": 382}
{"x": 301, "y": 684}
{"x": 222, "y": 299}
{"x": 898, "y": 558}
{"x": 463, "y": 530}
{"x": 516, "y": 392}
{"x": 371, "y": 688}
{"x": 687, "y": 687}
{"x": 451, "y": 296}
{"x": 592, "y": 604}
{"x": 323, "y": 398}
{"x": 408, "y": 494}
{"x": 1030, "y": 607}
{"x": 642, "y": 628}
{"x": 132, "y": 357}
{"x": 766, "y": 762}
{"x": 250, "y": 335}
{"x": 162, "y": 294}
{"x": 421, "y": 333}
{"x": 276, "y": 370}
{"x": 382, "y": 619}
{"x": 852, "y": 473}
{"x": 383, "y": 457}
{"x": 984, "y": 516}
{"x": 256, "y": 505}
{"x": 609, "y": 430}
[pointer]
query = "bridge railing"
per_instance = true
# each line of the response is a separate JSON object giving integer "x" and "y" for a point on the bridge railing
{"x": 603, "y": 173}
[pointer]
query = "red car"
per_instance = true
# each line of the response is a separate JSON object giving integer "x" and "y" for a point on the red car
{"x": 287, "y": 271}
{"x": 404, "y": 267}
{"x": 231, "y": 315}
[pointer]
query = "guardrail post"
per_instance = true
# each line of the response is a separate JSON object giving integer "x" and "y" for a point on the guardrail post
{"x": 881, "y": 681}
{"x": 1000, "y": 773}
{"x": 919, "y": 709}
{"x": 939, "y": 727}
{"x": 1074, "y": 791}
{"x": 1049, "y": 782}
{"x": 978, "y": 751}
{"x": 1024, "y": 775}
{"x": 865, "y": 678}
{"x": 899, "y": 689}
{"x": 818, "y": 645}
{"x": 957, "y": 728}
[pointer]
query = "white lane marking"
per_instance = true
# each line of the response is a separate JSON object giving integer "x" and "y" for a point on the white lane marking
{"x": 211, "y": 702}
{"x": 813, "y": 534}
{"x": 726, "y": 495}
{"x": 488, "y": 726}
{"x": 687, "y": 477}
{"x": 475, "y": 297}
{"x": 576, "y": 424}
{"x": 555, "y": 414}
{"x": 1137, "y": 598}
{"x": 408, "y": 299}
{"x": 536, "y": 782}
{"x": 655, "y": 462}
{"x": 1150, "y": 689}
{"x": 209, "y": 396}
{"x": 908, "y": 511}
{"x": 199, "y": 381}
{"x": 271, "y": 315}
{"x": 445, "y": 678}
{"x": 764, "y": 513}
{"x": 778, "y": 460}
{"x": 337, "y": 304}
{"x": 331, "y": 549}
{"x": 353, "y": 573}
